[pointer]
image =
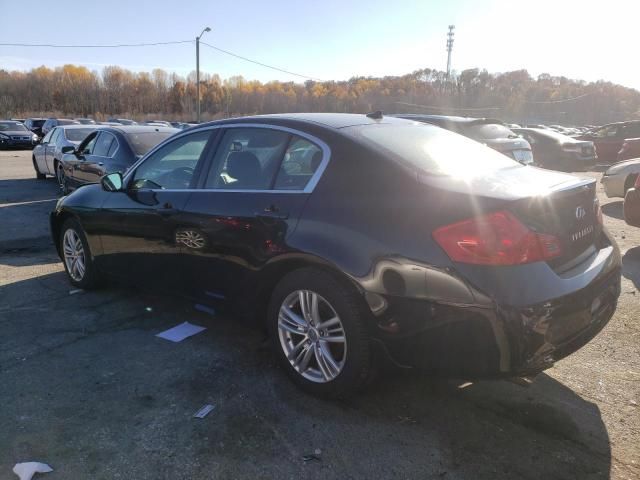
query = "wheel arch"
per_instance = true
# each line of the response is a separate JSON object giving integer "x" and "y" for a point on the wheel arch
{"x": 57, "y": 220}
{"x": 277, "y": 269}
{"x": 629, "y": 181}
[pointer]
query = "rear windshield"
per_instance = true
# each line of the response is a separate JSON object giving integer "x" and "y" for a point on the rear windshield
{"x": 488, "y": 131}
{"x": 143, "y": 142}
{"x": 432, "y": 150}
{"x": 77, "y": 134}
{"x": 12, "y": 127}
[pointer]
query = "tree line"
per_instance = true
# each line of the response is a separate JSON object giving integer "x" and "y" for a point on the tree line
{"x": 515, "y": 96}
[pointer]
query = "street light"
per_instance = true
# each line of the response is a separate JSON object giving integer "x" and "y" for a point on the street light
{"x": 207, "y": 29}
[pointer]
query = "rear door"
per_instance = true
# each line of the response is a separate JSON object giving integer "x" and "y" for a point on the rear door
{"x": 246, "y": 207}
{"x": 40, "y": 153}
{"x": 140, "y": 225}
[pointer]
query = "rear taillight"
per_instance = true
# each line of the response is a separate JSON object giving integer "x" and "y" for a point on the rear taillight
{"x": 571, "y": 147}
{"x": 637, "y": 182}
{"x": 497, "y": 238}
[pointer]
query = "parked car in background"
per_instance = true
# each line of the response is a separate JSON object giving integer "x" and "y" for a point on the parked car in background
{"x": 106, "y": 150}
{"x": 157, "y": 123}
{"x": 343, "y": 232}
{"x": 48, "y": 153}
{"x": 19, "y": 120}
{"x": 491, "y": 132}
{"x": 557, "y": 151}
{"x": 85, "y": 121}
{"x": 620, "y": 177}
{"x": 51, "y": 123}
{"x": 122, "y": 121}
{"x": 631, "y": 206}
{"x": 15, "y": 135}
{"x": 608, "y": 139}
{"x": 35, "y": 125}
{"x": 630, "y": 149}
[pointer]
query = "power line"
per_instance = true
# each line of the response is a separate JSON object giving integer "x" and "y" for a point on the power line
{"x": 117, "y": 45}
{"x": 260, "y": 63}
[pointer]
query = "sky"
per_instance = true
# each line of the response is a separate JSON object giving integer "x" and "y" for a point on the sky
{"x": 332, "y": 39}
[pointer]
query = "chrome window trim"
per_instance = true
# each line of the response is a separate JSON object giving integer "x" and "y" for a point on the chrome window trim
{"x": 311, "y": 185}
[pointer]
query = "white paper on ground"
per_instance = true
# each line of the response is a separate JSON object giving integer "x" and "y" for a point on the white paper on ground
{"x": 204, "y": 411}
{"x": 27, "y": 470}
{"x": 180, "y": 332}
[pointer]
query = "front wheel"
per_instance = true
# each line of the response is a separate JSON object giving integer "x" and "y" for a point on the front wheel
{"x": 318, "y": 330}
{"x": 39, "y": 176}
{"x": 61, "y": 178}
{"x": 76, "y": 256}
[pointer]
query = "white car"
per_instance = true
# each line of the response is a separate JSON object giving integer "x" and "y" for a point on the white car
{"x": 620, "y": 177}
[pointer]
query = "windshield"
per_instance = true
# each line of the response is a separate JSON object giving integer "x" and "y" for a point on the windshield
{"x": 12, "y": 127}
{"x": 432, "y": 150}
{"x": 143, "y": 142}
{"x": 76, "y": 135}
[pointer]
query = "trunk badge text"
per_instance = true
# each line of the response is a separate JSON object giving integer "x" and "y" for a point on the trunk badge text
{"x": 580, "y": 212}
{"x": 582, "y": 233}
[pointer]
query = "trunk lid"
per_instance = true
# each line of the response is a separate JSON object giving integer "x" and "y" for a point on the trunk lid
{"x": 546, "y": 201}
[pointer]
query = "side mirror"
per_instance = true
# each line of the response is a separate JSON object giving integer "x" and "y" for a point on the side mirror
{"x": 112, "y": 182}
{"x": 68, "y": 149}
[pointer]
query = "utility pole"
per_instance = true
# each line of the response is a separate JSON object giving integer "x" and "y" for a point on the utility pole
{"x": 207, "y": 29}
{"x": 449, "y": 48}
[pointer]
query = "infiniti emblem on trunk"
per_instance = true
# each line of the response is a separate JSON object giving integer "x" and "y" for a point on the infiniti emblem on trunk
{"x": 580, "y": 212}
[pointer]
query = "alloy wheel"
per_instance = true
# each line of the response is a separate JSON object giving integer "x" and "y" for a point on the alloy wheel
{"x": 73, "y": 252}
{"x": 312, "y": 336}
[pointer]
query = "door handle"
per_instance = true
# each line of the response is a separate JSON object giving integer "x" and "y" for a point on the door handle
{"x": 273, "y": 211}
{"x": 167, "y": 210}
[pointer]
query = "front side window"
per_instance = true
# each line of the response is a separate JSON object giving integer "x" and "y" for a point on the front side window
{"x": 172, "y": 166}
{"x": 87, "y": 146}
{"x": 103, "y": 144}
{"x": 301, "y": 160}
{"x": 247, "y": 159}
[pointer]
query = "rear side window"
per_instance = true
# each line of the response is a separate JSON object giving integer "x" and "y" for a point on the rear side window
{"x": 430, "y": 149}
{"x": 301, "y": 160}
{"x": 247, "y": 159}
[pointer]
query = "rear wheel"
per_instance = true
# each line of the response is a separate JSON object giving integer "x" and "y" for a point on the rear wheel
{"x": 76, "y": 256}
{"x": 39, "y": 176}
{"x": 318, "y": 332}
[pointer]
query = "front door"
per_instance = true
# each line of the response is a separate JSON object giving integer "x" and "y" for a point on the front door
{"x": 247, "y": 206}
{"x": 140, "y": 225}
{"x": 73, "y": 163}
{"x": 50, "y": 150}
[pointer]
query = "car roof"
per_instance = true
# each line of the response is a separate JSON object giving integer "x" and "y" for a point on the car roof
{"x": 135, "y": 128}
{"x": 327, "y": 120}
{"x": 75, "y": 126}
{"x": 449, "y": 120}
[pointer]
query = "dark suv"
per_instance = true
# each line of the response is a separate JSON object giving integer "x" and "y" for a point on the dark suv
{"x": 35, "y": 125}
{"x": 52, "y": 123}
{"x": 489, "y": 131}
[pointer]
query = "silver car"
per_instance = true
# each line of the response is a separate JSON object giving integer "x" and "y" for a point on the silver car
{"x": 620, "y": 177}
{"x": 47, "y": 154}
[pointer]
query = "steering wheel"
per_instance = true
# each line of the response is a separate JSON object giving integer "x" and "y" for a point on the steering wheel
{"x": 179, "y": 177}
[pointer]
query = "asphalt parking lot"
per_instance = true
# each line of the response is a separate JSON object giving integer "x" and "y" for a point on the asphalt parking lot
{"x": 87, "y": 387}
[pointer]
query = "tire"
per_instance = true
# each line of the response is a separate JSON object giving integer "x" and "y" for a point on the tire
{"x": 342, "y": 368}
{"x": 61, "y": 178}
{"x": 39, "y": 176}
{"x": 86, "y": 277}
{"x": 629, "y": 182}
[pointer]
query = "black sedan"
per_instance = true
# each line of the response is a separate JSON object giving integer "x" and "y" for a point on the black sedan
{"x": 346, "y": 235}
{"x": 106, "y": 150}
{"x": 558, "y": 151}
{"x": 489, "y": 131}
{"x": 16, "y": 135}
